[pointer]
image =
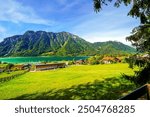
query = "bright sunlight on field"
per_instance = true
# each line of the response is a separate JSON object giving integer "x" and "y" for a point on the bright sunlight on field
{"x": 73, "y": 82}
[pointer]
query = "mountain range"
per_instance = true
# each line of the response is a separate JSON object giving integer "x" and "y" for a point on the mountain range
{"x": 41, "y": 43}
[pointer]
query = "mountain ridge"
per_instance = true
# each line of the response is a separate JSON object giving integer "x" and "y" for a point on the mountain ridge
{"x": 37, "y": 43}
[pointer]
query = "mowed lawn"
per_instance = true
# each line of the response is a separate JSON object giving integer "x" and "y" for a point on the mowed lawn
{"x": 45, "y": 84}
{"x": 6, "y": 74}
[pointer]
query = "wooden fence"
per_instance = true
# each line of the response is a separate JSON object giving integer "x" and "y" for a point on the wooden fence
{"x": 12, "y": 77}
{"x": 140, "y": 93}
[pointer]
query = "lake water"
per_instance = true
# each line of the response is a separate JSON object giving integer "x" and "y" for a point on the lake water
{"x": 16, "y": 60}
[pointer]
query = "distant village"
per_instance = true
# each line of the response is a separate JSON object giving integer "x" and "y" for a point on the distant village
{"x": 50, "y": 66}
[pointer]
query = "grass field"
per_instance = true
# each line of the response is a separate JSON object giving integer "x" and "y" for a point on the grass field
{"x": 73, "y": 82}
{"x": 3, "y": 65}
{"x": 6, "y": 74}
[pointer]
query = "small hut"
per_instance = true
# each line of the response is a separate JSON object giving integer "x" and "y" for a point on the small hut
{"x": 19, "y": 67}
{"x": 109, "y": 60}
{"x": 41, "y": 67}
{"x": 1, "y": 69}
{"x": 79, "y": 62}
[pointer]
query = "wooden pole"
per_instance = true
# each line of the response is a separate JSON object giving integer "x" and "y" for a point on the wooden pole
{"x": 148, "y": 91}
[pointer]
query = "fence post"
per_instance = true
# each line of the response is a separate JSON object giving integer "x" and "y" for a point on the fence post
{"x": 148, "y": 91}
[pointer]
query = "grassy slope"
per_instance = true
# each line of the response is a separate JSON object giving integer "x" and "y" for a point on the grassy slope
{"x": 3, "y": 65}
{"x": 38, "y": 82}
{"x": 5, "y": 74}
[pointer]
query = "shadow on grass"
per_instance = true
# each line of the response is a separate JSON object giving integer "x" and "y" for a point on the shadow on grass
{"x": 111, "y": 88}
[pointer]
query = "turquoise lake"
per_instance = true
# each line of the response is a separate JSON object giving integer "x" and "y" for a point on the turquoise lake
{"x": 17, "y": 60}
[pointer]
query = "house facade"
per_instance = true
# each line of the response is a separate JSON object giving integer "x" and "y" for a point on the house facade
{"x": 42, "y": 67}
{"x": 109, "y": 60}
{"x": 79, "y": 62}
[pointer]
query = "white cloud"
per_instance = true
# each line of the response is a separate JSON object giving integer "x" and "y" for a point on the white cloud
{"x": 11, "y": 10}
{"x": 72, "y": 5}
{"x": 105, "y": 26}
{"x": 2, "y": 32}
{"x": 2, "y": 29}
{"x": 62, "y": 2}
{"x": 102, "y": 37}
{"x": 119, "y": 34}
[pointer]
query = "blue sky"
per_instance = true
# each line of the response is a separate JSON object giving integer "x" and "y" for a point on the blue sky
{"x": 74, "y": 16}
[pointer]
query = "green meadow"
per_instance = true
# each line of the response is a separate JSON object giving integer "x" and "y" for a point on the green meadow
{"x": 6, "y": 74}
{"x": 73, "y": 82}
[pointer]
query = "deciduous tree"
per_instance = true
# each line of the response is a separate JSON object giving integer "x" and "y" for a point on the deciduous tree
{"x": 140, "y": 37}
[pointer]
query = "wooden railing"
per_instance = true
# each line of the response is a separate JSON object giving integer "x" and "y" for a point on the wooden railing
{"x": 140, "y": 93}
